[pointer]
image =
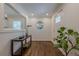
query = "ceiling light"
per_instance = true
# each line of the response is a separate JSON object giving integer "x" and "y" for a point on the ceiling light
{"x": 47, "y": 14}
{"x": 32, "y": 14}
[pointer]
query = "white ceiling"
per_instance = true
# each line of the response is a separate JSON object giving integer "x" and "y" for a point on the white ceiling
{"x": 33, "y": 9}
{"x": 39, "y": 9}
{"x": 10, "y": 11}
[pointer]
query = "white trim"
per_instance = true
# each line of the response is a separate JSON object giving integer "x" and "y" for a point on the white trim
{"x": 11, "y": 30}
{"x": 41, "y": 39}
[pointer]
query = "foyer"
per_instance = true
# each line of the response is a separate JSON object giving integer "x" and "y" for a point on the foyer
{"x": 31, "y": 28}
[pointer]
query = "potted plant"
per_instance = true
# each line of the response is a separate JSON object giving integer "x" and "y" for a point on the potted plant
{"x": 63, "y": 39}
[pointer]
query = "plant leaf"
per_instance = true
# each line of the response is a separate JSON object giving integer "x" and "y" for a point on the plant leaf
{"x": 57, "y": 46}
{"x": 58, "y": 41}
{"x": 65, "y": 37}
{"x": 76, "y": 47}
{"x": 62, "y": 28}
{"x": 65, "y": 45}
{"x": 77, "y": 40}
{"x": 76, "y": 34}
{"x": 70, "y": 31}
{"x": 59, "y": 31}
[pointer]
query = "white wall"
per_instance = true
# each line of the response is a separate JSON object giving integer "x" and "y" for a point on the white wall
{"x": 40, "y": 35}
{"x": 1, "y": 15}
{"x": 6, "y": 36}
{"x": 5, "y": 40}
{"x": 69, "y": 18}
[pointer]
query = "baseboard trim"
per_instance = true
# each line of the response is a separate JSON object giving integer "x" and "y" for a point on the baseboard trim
{"x": 41, "y": 39}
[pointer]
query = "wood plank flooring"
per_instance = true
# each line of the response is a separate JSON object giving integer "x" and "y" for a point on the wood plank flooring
{"x": 40, "y": 48}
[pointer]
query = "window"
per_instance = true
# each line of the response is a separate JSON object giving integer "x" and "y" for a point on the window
{"x": 57, "y": 19}
{"x": 17, "y": 25}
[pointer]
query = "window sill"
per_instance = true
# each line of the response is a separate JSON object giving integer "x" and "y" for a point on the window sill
{"x": 11, "y": 30}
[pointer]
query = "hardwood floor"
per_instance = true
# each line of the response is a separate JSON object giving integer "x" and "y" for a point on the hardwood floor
{"x": 39, "y": 48}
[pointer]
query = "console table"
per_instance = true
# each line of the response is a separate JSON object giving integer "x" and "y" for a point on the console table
{"x": 24, "y": 44}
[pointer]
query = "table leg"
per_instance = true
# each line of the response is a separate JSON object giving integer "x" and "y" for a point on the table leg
{"x": 21, "y": 47}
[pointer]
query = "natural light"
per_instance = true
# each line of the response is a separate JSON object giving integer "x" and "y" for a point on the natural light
{"x": 16, "y": 25}
{"x": 57, "y": 19}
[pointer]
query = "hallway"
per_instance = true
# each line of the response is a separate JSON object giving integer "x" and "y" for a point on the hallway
{"x": 42, "y": 48}
{"x": 40, "y": 20}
